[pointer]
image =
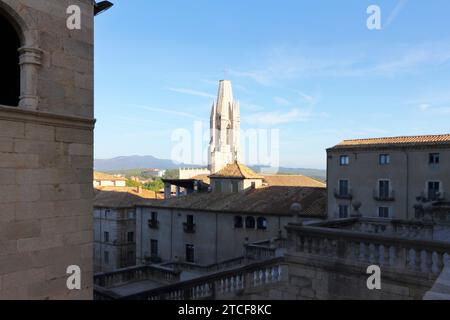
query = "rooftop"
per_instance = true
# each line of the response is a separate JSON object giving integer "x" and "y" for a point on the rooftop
{"x": 105, "y": 176}
{"x": 426, "y": 140}
{"x": 273, "y": 200}
{"x": 236, "y": 170}
{"x": 293, "y": 181}
{"x": 122, "y": 197}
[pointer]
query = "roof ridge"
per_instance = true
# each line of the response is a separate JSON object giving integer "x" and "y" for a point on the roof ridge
{"x": 400, "y": 137}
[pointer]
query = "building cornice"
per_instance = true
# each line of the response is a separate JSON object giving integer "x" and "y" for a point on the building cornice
{"x": 389, "y": 148}
{"x": 30, "y": 116}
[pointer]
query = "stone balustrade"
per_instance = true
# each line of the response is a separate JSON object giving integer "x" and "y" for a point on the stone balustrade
{"x": 220, "y": 284}
{"x": 423, "y": 257}
{"x": 187, "y": 266}
{"x": 267, "y": 249}
{"x": 134, "y": 274}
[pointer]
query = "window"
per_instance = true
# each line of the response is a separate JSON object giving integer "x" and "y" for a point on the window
{"x": 238, "y": 223}
{"x": 343, "y": 211}
{"x": 434, "y": 158}
{"x": 261, "y": 223}
{"x": 154, "y": 248}
{"x": 253, "y": 185}
{"x": 189, "y": 225}
{"x": 383, "y": 189}
{"x": 190, "y": 253}
{"x": 131, "y": 215}
{"x": 130, "y": 236}
{"x": 384, "y": 159}
{"x": 106, "y": 236}
{"x": 344, "y": 160}
{"x": 106, "y": 257}
{"x": 383, "y": 212}
{"x": 433, "y": 190}
{"x": 343, "y": 188}
{"x": 218, "y": 186}
{"x": 9, "y": 64}
{"x": 154, "y": 216}
{"x": 234, "y": 186}
{"x": 107, "y": 212}
{"x": 130, "y": 258}
{"x": 249, "y": 222}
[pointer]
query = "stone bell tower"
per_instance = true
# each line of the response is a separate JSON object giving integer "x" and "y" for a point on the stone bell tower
{"x": 225, "y": 145}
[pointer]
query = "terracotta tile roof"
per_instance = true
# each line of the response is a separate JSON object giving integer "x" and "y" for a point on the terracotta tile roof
{"x": 122, "y": 197}
{"x": 275, "y": 200}
{"x": 396, "y": 141}
{"x": 203, "y": 178}
{"x": 104, "y": 176}
{"x": 293, "y": 181}
{"x": 236, "y": 170}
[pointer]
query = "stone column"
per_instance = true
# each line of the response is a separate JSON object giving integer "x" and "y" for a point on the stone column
{"x": 167, "y": 190}
{"x": 30, "y": 61}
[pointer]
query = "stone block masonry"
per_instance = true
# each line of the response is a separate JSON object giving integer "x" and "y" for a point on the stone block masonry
{"x": 46, "y": 155}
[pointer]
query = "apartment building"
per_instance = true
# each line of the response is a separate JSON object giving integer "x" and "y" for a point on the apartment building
{"x": 393, "y": 178}
{"x": 115, "y": 226}
{"x": 210, "y": 227}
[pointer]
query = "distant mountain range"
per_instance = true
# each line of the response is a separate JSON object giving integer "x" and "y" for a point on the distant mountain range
{"x": 150, "y": 162}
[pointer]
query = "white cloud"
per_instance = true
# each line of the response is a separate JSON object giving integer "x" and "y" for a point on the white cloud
{"x": 284, "y": 64}
{"x": 192, "y": 92}
{"x": 170, "y": 111}
{"x": 277, "y": 117}
{"x": 398, "y": 8}
{"x": 282, "y": 101}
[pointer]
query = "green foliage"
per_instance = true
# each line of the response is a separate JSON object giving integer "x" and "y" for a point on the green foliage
{"x": 155, "y": 185}
{"x": 132, "y": 183}
{"x": 171, "y": 174}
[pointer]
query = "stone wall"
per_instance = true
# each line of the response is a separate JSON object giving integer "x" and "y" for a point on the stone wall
{"x": 46, "y": 157}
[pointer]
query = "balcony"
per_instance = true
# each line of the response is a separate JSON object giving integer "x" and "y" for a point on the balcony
{"x": 343, "y": 194}
{"x": 428, "y": 197}
{"x": 189, "y": 227}
{"x": 383, "y": 196}
{"x": 153, "y": 224}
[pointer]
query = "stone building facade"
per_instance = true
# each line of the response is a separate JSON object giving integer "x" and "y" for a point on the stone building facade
{"x": 46, "y": 150}
{"x": 389, "y": 177}
{"x": 211, "y": 227}
{"x": 115, "y": 226}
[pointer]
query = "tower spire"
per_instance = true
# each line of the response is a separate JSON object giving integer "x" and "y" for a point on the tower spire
{"x": 225, "y": 129}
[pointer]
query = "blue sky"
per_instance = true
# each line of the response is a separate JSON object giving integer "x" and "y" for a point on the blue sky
{"x": 311, "y": 69}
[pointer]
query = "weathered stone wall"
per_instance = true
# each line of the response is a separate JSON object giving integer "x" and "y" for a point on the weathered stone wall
{"x": 46, "y": 159}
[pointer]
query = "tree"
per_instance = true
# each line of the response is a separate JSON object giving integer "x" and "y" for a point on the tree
{"x": 155, "y": 185}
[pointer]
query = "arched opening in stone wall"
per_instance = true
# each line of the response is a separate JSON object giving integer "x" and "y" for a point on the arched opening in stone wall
{"x": 9, "y": 63}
